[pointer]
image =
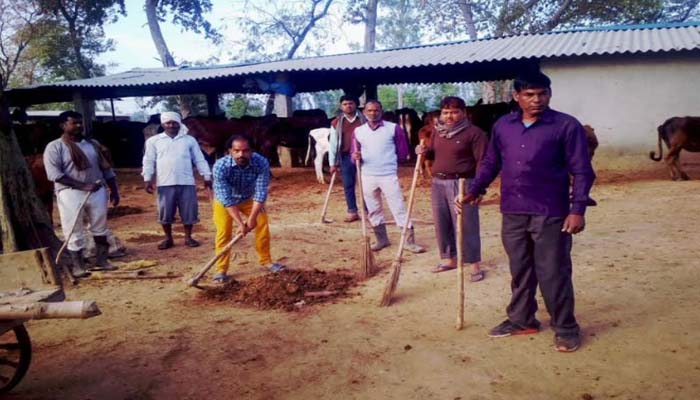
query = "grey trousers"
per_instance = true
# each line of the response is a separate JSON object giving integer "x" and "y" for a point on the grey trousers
{"x": 443, "y": 194}
{"x": 539, "y": 252}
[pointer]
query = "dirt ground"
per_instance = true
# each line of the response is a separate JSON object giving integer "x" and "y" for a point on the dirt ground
{"x": 636, "y": 275}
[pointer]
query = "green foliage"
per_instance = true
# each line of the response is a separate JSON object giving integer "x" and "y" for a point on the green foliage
{"x": 197, "y": 104}
{"x": 189, "y": 14}
{"x": 240, "y": 105}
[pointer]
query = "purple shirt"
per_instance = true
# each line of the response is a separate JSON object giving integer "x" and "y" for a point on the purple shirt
{"x": 535, "y": 164}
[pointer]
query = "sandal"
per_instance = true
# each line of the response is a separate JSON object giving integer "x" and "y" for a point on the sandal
{"x": 165, "y": 244}
{"x": 442, "y": 268}
{"x": 189, "y": 242}
{"x": 276, "y": 267}
{"x": 221, "y": 278}
{"x": 476, "y": 276}
{"x": 351, "y": 218}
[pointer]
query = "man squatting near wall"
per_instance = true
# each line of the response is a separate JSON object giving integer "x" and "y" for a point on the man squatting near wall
{"x": 536, "y": 151}
{"x": 379, "y": 145}
{"x": 342, "y": 130}
{"x": 170, "y": 156}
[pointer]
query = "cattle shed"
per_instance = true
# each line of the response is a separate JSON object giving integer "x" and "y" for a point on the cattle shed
{"x": 622, "y": 80}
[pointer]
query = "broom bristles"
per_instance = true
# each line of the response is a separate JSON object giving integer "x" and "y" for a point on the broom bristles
{"x": 391, "y": 284}
{"x": 367, "y": 259}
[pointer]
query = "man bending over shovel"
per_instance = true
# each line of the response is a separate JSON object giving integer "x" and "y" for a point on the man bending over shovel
{"x": 241, "y": 181}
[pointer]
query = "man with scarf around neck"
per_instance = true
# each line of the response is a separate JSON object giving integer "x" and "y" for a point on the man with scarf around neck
{"x": 379, "y": 146}
{"x": 457, "y": 147}
{"x": 77, "y": 166}
{"x": 537, "y": 152}
{"x": 342, "y": 129}
{"x": 170, "y": 156}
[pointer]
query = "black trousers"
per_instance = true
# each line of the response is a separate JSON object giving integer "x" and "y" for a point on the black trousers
{"x": 539, "y": 252}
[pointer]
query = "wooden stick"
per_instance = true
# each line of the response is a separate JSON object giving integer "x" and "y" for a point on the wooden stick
{"x": 328, "y": 197}
{"x": 132, "y": 275}
{"x": 395, "y": 273}
{"x": 195, "y": 279}
{"x": 358, "y": 165}
{"x": 65, "y": 309}
{"x": 460, "y": 257}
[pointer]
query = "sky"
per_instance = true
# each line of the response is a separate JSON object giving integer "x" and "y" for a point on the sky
{"x": 135, "y": 48}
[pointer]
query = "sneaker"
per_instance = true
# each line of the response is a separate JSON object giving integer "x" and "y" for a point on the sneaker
{"x": 567, "y": 343}
{"x": 507, "y": 328}
{"x": 221, "y": 278}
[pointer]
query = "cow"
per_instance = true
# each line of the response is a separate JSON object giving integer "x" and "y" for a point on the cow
{"x": 679, "y": 133}
{"x": 42, "y": 185}
{"x": 429, "y": 121}
{"x": 321, "y": 136}
{"x": 591, "y": 139}
{"x": 124, "y": 139}
{"x": 411, "y": 124}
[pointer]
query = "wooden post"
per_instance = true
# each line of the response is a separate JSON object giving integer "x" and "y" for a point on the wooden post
{"x": 86, "y": 107}
{"x": 460, "y": 256}
{"x": 111, "y": 103}
{"x": 41, "y": 310}
{"x": 213, "y": 104}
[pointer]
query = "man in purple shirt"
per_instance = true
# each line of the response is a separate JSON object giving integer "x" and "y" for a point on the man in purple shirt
{"x": 538, "y": 151}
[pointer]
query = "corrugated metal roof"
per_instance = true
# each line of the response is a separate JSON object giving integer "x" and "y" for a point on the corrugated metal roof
{"x": 576, "y": 43}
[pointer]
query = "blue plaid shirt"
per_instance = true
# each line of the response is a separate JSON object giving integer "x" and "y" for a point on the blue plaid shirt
{"x": 234, "y": 184}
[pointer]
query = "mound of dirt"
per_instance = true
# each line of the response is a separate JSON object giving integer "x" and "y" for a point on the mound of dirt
{"x": 120, "y": 211}
{"x": 288, "y": 290}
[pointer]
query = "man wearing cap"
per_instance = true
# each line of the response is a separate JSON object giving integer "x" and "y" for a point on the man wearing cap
{"x": 170, "y": 156}
{"x": 78, "y": 166}
{"x": 538, "y": 152}
{"x": 342, "y": 130}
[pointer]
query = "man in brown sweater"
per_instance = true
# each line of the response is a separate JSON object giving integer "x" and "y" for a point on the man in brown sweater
{"x": 457, "y": 147}
{"x": 342, "y": 130}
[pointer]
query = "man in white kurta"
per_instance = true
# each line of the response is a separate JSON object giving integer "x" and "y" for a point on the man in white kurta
{"x": 379, "y": 145}
{"x": 169, "y": 157}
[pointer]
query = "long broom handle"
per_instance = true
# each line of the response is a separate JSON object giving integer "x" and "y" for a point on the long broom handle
{"x": 328, "y": 197}
{"x": 358, "y": 167}
{"x": 460, "y": 256}
{"x": 75, "y": 223}
{"x": 211, "y": 262}
{"x": 411, "y": 197}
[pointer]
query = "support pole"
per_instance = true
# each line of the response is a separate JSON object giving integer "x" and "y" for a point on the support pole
{"x": 213, "y": 104}
{"x": 86, "y": 107}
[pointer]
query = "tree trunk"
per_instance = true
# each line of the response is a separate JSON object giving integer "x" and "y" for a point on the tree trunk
{"x": 465, "y": 7}
{"x": 371, "y": 25}
{"x": 24, "y": 222}
{"x": 165, "y": 57}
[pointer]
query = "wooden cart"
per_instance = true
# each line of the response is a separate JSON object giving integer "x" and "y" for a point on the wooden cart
{"x": 40, "y": 296}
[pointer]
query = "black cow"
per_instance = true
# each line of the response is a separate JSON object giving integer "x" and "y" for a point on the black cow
{"x": 679, "y": 133}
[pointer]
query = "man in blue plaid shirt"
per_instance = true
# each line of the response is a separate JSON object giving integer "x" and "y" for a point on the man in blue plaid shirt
{"x": 241, "y": 181}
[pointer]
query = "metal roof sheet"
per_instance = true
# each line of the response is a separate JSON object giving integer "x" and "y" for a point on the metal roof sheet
{"x": 578, "y": 43}
{"x": 463, "y": 61}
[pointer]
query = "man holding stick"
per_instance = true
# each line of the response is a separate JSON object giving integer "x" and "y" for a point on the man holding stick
{"x": 241, "y": 181}
{"x": 169, "y": 156}
{"x": 77, "y": 166}
{"x": 457, "y": 147}
{"x": 537, "y": 151}
{"x": 379, "y": 145}
{"x": 342, "y": 129}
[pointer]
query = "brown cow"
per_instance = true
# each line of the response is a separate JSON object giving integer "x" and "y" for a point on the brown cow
{"x": 591, "y": 139}
{"x": 429, "y": 121}
{"x": 42, "y": 185}
{"x": 679, "y": 133}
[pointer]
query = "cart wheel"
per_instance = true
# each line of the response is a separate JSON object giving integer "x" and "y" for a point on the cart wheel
{"x": 15, "y": 356}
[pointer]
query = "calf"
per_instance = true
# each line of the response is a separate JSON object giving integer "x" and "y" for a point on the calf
{"x": 322, "y": 138}
{"x": 591, "y": 139}
{"x": 679, "y": 133}
{"x": 430, "y": 119}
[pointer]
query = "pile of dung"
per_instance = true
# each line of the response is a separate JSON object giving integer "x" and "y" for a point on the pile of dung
{"x": 120, "y": 211}
{"x": 289, "y": 290}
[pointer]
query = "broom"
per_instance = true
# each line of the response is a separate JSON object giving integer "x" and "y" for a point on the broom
{"x": 396, "y": 271}
{"x": 325, "y": 202}
{"x": 460, "y": 257}
{"x": 366, "y": 256}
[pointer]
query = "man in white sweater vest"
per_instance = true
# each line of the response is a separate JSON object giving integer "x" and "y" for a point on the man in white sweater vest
{"x": 379, "y": 145}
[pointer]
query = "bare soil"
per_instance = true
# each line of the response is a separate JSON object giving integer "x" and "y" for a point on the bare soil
{"x": 636, "y": 267}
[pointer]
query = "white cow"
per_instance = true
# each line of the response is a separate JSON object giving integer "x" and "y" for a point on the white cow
{"x": 323, "y": 145}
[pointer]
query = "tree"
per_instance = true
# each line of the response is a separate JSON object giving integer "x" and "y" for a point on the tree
{"x": 24, "y": 222}
{"x": 20, "y": 24}
{"x": 278, "y": 31}
{"x": 189, "y": 14}
{"x": 84, "y": 38}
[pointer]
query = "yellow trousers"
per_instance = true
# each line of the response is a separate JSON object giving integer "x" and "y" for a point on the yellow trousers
{"x": 224, "y": 233}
